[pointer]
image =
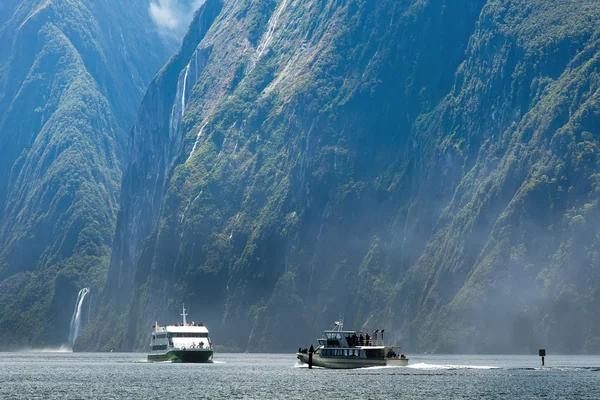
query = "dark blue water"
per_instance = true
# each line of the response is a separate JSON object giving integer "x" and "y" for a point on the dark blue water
{"x": 55, "y": 375}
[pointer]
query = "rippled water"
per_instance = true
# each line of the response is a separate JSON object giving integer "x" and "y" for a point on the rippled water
{"x": 60, "y": 375}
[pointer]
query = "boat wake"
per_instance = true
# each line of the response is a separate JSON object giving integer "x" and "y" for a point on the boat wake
{"x": 424, "y": 366}
{"x": 300, "y": 365}
{"x": 304, "y": 365}
{"x": 382, "y": 367}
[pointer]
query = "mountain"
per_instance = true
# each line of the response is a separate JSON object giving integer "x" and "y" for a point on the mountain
{"x": 425, "y": 166}
{"x": 71, "y": 76}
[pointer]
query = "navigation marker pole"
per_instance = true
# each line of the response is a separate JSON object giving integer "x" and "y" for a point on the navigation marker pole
{"x": 310, "y": 356}
{"x": 542, "y": 353}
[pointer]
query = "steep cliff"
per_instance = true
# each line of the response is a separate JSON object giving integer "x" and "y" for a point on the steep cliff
{"x": 154, "y": 147}
{"x": 427, "y": 167}
{"x": 71, "y": 75}
{"x": 512, "y": 262}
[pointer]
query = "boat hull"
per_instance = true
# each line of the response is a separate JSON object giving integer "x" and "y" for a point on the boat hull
{"x": 185, "y": 356}
{"x": 345, "y": 363}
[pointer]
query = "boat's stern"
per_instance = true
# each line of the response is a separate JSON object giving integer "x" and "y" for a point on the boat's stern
{"x": 396, "y": 362}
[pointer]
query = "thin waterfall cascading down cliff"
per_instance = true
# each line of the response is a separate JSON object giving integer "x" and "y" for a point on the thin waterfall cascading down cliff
{"x": 251, "y": 336}
{"x": 267, "y": 38}
{"x": 314, "y": 258}
{"x": 198, "y": 136}
{"x": 184, "y": 88}
{"x": 195, "y": 66}
{"x": 76, "y": 318}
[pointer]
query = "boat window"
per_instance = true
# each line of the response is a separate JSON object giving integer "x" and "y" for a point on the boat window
{"x": 352, "y": 340}
{"x": 322, "y": 342}
{"x": 374, "y": 353}
{"x": 188, "y": 335}
{"x": 159, "y": 347}
{"x": 161, "y": 336}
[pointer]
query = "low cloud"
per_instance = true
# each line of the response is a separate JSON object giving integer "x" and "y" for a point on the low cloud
{"x": 172, "y": 17}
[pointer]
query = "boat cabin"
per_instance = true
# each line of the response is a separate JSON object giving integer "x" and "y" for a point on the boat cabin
{"x": 189, "y": 337}
{"x": 352, "y": 344}
{"x": 180, "y": 336}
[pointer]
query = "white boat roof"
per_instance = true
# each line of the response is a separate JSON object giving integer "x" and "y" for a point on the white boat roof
{"x": 180, "y": 329}
{"x": 190, "y": 328}
{"x": 183, "y": 327}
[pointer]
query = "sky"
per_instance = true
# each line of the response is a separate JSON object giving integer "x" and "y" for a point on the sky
{"x": 172, "y": 17}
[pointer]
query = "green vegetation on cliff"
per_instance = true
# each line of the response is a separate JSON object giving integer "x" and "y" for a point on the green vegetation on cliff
{"x": 70, "y": 78}
{"x": 424, "y": 166}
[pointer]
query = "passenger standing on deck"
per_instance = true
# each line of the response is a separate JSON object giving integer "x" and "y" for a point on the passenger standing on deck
{"x": 368, "y": 339}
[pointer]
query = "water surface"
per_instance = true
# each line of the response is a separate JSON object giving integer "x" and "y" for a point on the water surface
{"x": 64, "y": 375}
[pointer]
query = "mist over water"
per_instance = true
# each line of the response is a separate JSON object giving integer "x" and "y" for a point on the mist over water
{"x": 278, "y": 376}
{"x": 60, "y": 349}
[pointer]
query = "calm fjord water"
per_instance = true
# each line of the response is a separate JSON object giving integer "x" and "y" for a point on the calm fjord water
{"x": 48, "y": 375}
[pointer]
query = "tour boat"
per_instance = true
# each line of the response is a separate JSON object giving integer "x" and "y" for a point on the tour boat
{"x": 185, "y": 342}
{"x": 342, "y": 349}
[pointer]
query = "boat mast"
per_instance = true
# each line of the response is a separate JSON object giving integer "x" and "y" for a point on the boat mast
{"x": 184, "y": 314}
{"x": 339, "y": 325}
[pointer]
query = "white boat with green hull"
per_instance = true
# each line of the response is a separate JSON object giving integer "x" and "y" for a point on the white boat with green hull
{"x": 185, "y": 342}
{"x": 340, "y": 349}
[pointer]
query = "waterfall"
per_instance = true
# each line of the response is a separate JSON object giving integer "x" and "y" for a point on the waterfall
{"x": 405, "y": 230}
{"x": 187, "y": 71}
{"x": 304, "y": 159}
{"x": 251, "y": 336}
{"x": 175, "y": 122}
{"x": 76, "y": 318}
{"x": 267, "y": 38}
{"x": 196, "y": 142}
{"x": 314, "y": 257}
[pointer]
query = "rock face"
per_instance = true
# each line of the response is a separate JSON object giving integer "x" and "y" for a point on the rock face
{"x": 427, "y": 167}
{"x": 71, "y": 76}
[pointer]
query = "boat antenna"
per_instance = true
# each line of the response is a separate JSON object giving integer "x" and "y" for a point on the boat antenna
{"x": 184, "y": 314}
{"x": 339, "y": 325}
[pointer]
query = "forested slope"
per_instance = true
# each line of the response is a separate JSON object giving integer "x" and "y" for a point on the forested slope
{"x": 427, "y": 167}
{"x": 71, "y": 76}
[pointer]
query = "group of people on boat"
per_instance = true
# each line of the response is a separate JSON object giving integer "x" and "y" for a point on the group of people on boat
{"x": 199, "y": 346}
{"x": 392, "y": 354}
{"x": 156, "y": 326}
{"x": 361, "y": 340}
{"x": 192, "y": 324}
